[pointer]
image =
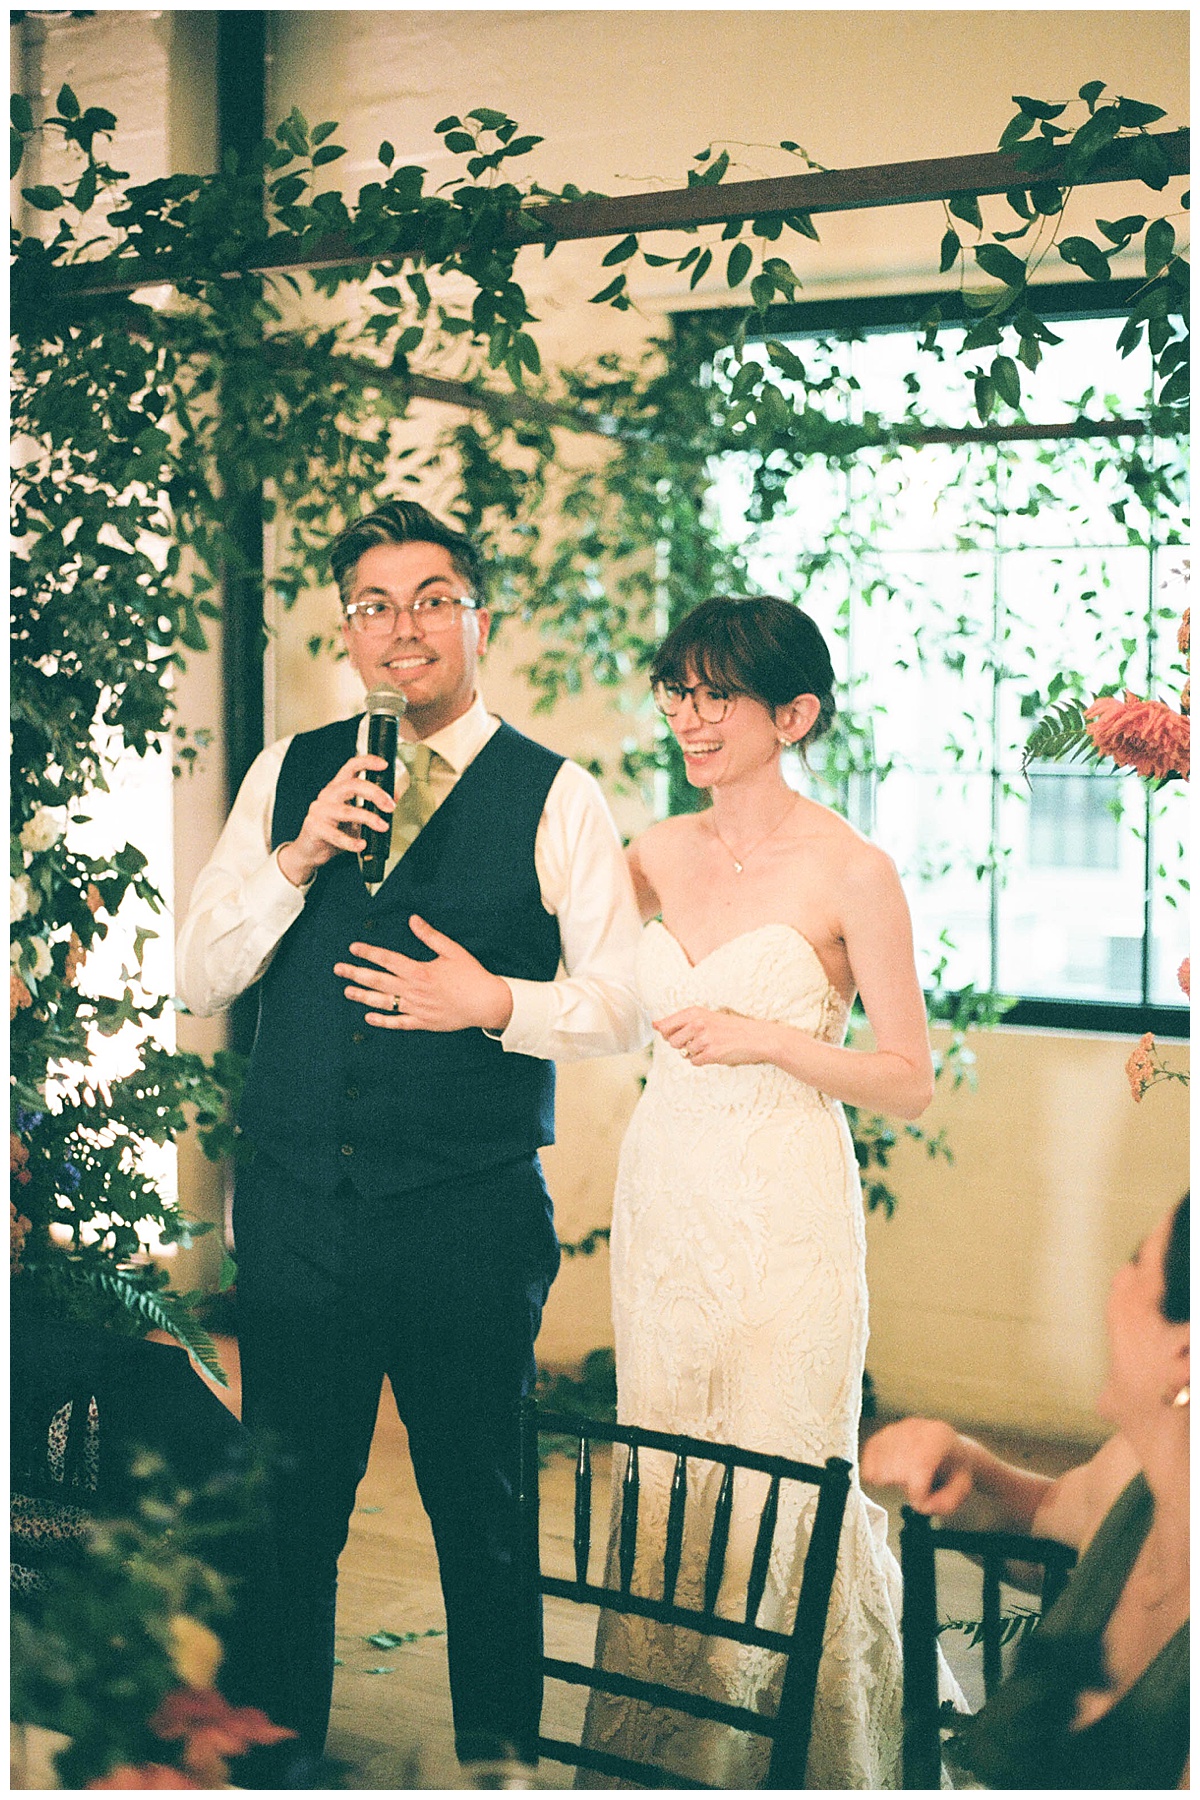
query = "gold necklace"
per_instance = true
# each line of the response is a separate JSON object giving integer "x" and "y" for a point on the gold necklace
{"x": 739, "y": 863}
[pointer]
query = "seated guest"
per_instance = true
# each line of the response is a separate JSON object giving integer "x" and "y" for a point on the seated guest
{"x": 1099, "y": 1694}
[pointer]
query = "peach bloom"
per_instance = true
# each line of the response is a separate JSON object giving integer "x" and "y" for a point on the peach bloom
{"x": 1141, "y": 1067}
{"x": 18, "y": 1230}
{"x": 18, "y": 995}
{"x": 75, "y": 956}
{"x": 1144, "y": 735}
{"x": 1185, "y": 633}
{"x": 94, "y": 903}
{"x": 1184, "y": 976}
{"x": 1185, "y": 700}
{"x": 144, "y": 1775}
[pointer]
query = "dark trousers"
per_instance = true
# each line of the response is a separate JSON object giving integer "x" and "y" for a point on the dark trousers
{"x": 441, "y": 1290}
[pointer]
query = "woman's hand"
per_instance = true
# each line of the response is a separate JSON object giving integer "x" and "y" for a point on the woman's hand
{"x": 927, "y": 1459}
{"x": 335, "y": 820}
{"x": 716, "y": 1037}
{"x": 452, "y": 993}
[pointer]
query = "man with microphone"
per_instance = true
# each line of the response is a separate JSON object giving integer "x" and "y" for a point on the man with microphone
{"x": 427, "y": 946}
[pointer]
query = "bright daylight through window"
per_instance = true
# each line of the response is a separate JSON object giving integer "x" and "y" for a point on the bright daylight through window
{"x": 964, "y": 585}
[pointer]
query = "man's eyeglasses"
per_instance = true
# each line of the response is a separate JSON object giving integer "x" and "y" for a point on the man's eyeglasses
{"x": 709, "y": 704}
{"x": 429, "y": 612}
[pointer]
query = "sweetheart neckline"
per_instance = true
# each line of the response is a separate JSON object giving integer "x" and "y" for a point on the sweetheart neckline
{"x": 755, "y": 931}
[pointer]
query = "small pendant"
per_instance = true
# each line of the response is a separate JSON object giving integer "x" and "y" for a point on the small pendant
{"x": 737, "y": 866}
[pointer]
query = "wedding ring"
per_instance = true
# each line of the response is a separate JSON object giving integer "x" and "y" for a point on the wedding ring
{"x": 684, "y": 1050}
{"x": 395, "y": 1003}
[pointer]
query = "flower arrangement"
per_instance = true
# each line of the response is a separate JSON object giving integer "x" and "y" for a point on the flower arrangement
{"x": 1154, "y": 739}
{"x": 120, "y": 1653}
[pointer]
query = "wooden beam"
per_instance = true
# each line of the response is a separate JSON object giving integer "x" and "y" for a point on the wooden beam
{"x": 831, "y": 191}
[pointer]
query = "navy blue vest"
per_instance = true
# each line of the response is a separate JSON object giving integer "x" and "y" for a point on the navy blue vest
{"x": 332, "y": 1099}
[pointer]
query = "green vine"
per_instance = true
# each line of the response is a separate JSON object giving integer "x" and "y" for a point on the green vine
{"x": 141, "y": 432}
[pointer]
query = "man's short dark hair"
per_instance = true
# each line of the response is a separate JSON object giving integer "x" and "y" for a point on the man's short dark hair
{"x": 403, "y": 522}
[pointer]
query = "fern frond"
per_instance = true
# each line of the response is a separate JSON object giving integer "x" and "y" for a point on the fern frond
{"x": 1060, "y": 735}
{"x": 163, "y": 1311}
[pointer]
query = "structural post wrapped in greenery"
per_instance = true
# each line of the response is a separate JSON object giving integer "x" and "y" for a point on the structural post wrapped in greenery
{"x": 139, "y": 429}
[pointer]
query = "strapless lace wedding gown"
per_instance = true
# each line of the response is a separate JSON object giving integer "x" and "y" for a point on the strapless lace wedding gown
{"x": 740, "y": 1313}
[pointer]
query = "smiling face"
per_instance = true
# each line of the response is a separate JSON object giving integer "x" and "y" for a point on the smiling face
{"x": 1148, "y": 1357}
{"x": 745, "y": 741}
{"x": 435, "y": 670}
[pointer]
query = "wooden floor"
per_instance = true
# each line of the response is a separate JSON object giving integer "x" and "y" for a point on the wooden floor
{"x": 390, "y": 1726}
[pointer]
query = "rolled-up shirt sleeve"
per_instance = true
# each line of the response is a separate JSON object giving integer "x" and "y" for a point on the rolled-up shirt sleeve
{"x": 592, "y": 1008}
{"x": 242, "y": 903}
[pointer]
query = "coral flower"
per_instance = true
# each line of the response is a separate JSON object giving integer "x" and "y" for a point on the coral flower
{"x": 18, "y": 995}
{"x": 1184, "y": 976}
{"x": 1185, "y": 700}
{"x": 1144, "y": 735}
{"x": 94, "y": 902}
{"x": 145, "y": 1775}
{"x": 212, "y": 1730}
{"x": 1185, "y": 633}
{"x": 1141, "y": 1068}
{"x": 18, "y": 1230}
{"x": 75, "y": 956}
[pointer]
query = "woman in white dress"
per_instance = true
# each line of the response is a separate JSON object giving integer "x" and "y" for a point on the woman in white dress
{"x": 738, "y": 1248}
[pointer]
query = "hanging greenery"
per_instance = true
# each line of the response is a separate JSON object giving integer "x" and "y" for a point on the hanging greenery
{"x": 139, "y": 428}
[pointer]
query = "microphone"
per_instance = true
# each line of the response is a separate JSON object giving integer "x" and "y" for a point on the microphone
{"x": 385, "y": 707}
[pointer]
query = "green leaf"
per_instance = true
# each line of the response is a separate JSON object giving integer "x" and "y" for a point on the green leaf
{"x": 701, "y": 269}
{"x": 388, "y": 296}
{"x": 447, "y": 124}
{"x": 609, "y": 293}
{"x": 981, "y": 335}
{"x": 228, "y": 1275}
{"x": 1007, "y": 377}
{"x": 1132, "y": 114}
{"x": 528, "y": 352}
{"x": 738, "y": 267}
{"x": 762, "y": 292}
{"x": 20, "y": 113}
{"x": 324, "y": 130}
{"x": 1047, "y": 197}
{"x": 43, "y": 198}
{"x": 1176, "y": 389}
{"x": 951, "y": 245}
{"x": 1016, "y": 129}
{"x": 1038, "y": 109}
{"x": 16, "y": 151}
{"x": 1160, "y": 246}
{"x": 66, "y": 103}
{"x": 768, "y": 225}
{"x": 85, "y": 189}
{"x": 966, "y": 208}
{"x": 387, "y": 154}
{"x": 408, "y": 340}
{"x": 620, "y": 252}
{"x": 1091, "y": 92}
{"x": 459, "y": 141}
{"x": 995, "y": 260}
{"x": 1147, "y": 162}
{"x": 802, "y": 222}
{"x": 785, "y": 360}
{"x": 985, "y": 397}
{"x": 488, "y": 117}
{"x": 522, "y": 146}
{"x": 1011, "y": 237}
{"x": 1083, "y": 254}
{"x": 327, "y": 154}
{"x": 1119, "y": 231}
{"x": 1019, "y": 201}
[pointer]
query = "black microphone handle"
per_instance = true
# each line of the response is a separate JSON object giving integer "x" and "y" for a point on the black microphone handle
{"x": 382, "y": 736}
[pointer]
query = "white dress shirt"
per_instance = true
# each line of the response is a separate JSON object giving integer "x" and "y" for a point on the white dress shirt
{"x": 243, "y": 903}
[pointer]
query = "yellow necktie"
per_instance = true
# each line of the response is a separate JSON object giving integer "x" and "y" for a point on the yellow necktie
{"x": 417, "y": 804}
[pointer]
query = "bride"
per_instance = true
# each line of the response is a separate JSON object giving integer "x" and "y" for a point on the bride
{"x": 738, "y": 1248}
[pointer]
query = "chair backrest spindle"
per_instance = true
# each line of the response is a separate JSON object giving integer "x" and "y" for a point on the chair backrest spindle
{"x": 630, "y": 1487}
{"x": 719, "y": 1542}
{"x": 583, "y": 1509}
{"x": 756, "y": 1585}
{"x": 673, "y": 1550}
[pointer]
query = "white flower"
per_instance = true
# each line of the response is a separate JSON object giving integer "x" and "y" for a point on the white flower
{"x": 41, "y": 831}
{"x": 42, "y": 964}
{"x": 14, "y": 954}
{"x": 23, "y": 897}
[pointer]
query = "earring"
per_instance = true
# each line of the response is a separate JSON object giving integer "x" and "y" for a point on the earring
{"x": 1183, "y": 1397}
{"x": 785, "y": 743}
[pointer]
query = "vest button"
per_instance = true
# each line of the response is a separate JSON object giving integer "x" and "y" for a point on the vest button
{"x": 368, "y": 924}
{"x": 347, "y": 1149}
{"x": 358, "y": 1037}
{"x": 352, "y": 1093}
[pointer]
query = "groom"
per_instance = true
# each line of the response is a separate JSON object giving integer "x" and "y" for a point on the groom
{"x": 392, "y": 1218}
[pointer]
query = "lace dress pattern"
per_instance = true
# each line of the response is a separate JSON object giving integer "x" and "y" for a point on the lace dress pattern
{"x": 740, "y": 1315}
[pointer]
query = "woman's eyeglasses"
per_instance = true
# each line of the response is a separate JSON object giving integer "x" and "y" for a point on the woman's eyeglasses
{"x": 710, "y": 705}
{"x": 429, "y": 612}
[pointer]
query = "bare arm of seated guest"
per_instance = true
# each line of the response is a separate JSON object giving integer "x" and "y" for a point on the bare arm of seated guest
{"x": 943, "y": 1472}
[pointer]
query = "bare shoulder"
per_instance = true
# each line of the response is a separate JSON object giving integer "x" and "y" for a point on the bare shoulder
{"x": 863, "y": 867}
{"x": 665, "y": 841}
{"x": 1078, "y": 1501}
